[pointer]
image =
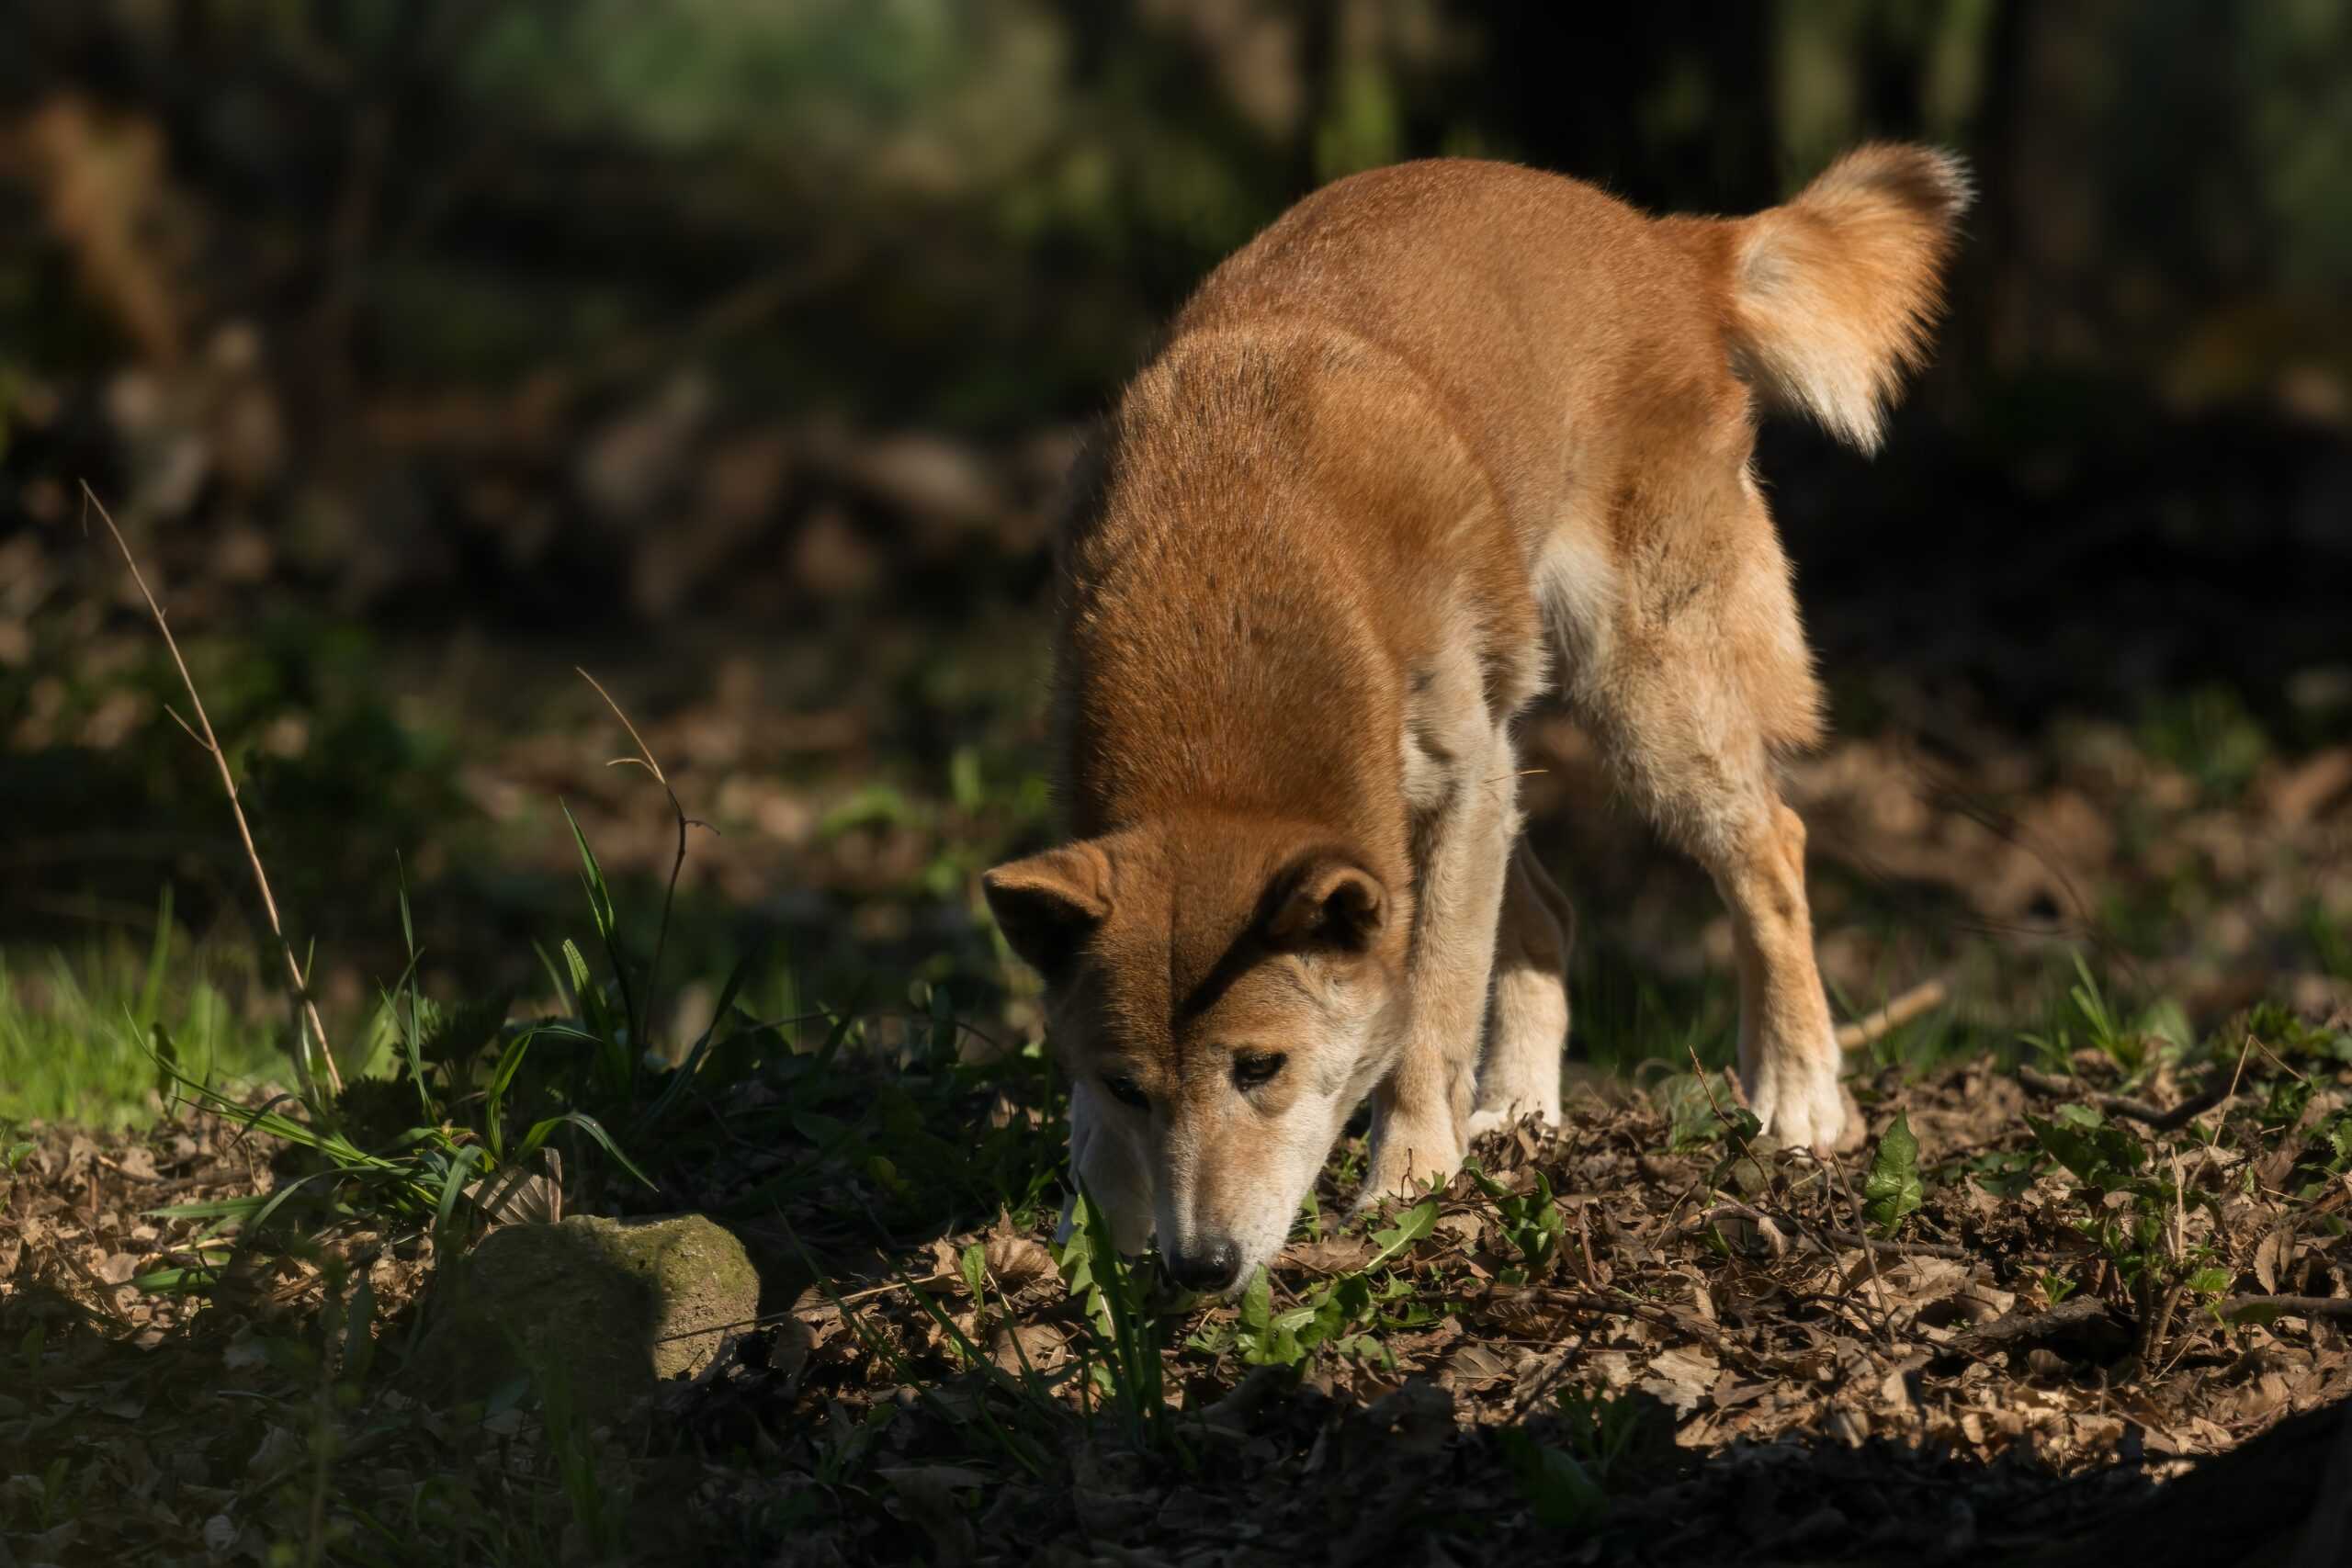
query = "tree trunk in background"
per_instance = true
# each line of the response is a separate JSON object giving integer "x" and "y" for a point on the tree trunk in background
{"x": 2040, "y": 226}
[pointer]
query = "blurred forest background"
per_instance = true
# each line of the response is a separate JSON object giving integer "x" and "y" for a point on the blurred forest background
{"x": 734, "y": 349}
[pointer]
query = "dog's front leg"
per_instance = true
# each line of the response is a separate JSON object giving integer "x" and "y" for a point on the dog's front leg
{"x": 1421, "y": 1113}
{"x": 1527, "y": 1027}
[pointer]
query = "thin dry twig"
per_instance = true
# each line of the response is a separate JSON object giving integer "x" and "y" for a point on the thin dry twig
{"x": 1926, "y": 996}
{"x": 1584, "y": 1239}
{"x": 1627, "y": 1307}
{"x": 2157, "y": 1304}
{"x": 1901, "y": 1248}
{"x": 2076, "y": 1314}
{"x": 2237, "y": 1074}
{"x": 2153, "y": 1118}
{"x": 2299, "y": 1306}
{"x": 306, "y": 1011}
{"x": 1869, "y": 1254}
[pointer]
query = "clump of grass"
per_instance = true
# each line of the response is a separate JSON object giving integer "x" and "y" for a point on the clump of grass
{"x": 1120, "y": 1357}
{"x": 462, "y": 1103}
{"x": 73, "y": 1029}
{"x": 435, "y": 1174}
{"x": 2091, "y": 1018}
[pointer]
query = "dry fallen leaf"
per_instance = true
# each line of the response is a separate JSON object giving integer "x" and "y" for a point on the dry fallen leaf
{"x": 1015, "y": 1260}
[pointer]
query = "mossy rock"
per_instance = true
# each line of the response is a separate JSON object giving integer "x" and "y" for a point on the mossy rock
{"x": 594, "y": 1310}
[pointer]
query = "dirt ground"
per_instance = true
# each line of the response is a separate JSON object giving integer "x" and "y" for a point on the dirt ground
{"x": 1640, "y": 1339}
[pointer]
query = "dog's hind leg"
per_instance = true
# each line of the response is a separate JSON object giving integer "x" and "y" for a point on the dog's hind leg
{"x": 1789, "y": 1058}
{"x": 1753, "y": 846}
{"x": 1708, "y": 681}
{"x": 1527, "y": 1022}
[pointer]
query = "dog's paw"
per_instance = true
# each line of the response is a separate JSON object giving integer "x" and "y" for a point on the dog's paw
{"x": 1802, "y": 1104}
{"x": 1404, "y": 1164}
{"x": 1488, "y": 1119}
{"x": 1485, "y": 1121}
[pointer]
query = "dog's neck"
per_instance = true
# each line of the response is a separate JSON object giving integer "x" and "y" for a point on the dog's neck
{"x": 1196, "y": 678}
{"x": 1220, "y": 647}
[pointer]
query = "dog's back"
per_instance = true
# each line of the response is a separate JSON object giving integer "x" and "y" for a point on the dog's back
{"x": 1569, "y": 335}
{"x": 1541, "y": 314}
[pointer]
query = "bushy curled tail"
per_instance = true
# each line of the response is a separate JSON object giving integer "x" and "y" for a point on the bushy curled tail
{"x": 1833, "y": 294}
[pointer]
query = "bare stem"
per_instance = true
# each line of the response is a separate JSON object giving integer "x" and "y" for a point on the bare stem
{"x": 644, "y": 758}
{"x": 306, "y": 1011}
{"x": 1869, "y": 1254}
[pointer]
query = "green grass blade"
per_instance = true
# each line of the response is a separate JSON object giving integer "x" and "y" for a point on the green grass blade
{"x": 167, "y": 1066}
{"x": 994, "y": 1375}
{"x": 586, "y": 1123}
{"x": 452, "y": 1180}
{"x": 210, "y": 1209}
{"x": 510, "y": 1061}
{"x": 563, "y": 993}
{"x": 602, "y": 910}
{"x": 151, "y": 994}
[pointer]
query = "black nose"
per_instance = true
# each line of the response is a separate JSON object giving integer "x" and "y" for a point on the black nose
{"x": 1213, "y": 1268}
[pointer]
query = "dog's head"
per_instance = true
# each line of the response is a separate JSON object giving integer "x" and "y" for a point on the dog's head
{"x": 1229, "y": 990}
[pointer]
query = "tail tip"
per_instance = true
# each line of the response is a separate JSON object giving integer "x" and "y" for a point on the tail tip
{"x": 1931, "y": 182}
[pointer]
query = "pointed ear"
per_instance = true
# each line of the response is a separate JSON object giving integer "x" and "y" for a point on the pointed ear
{"x": 1326, "y": 900}
{"x": 1049, "y": 903}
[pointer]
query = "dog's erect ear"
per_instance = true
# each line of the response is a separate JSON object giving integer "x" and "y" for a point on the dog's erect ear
{"x": 1325, "y": 901}
{"x": 1049, "y": 903}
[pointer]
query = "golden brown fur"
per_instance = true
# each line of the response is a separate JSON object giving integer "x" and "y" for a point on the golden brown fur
{"x": 1446, "y": 436}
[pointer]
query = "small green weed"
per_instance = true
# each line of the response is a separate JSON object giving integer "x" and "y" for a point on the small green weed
{"x": 1893, "y": 1189}
{"x": 1603, "y": 1439}
{"x": 1530, "y": 1221}
{"x": 1698, "y": 1118}
{"x": 1345, "y": 1314}
{"x": 2131, "y": 1044}
{"x": 2132, "y": 1205}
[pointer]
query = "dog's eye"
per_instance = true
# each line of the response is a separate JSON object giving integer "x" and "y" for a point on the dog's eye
{"x": 1257, "y": 1067}
{"x": 1126, "y": 1092}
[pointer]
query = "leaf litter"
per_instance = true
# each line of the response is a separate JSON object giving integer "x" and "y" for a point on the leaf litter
{"x": 1634, "y": 1338}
